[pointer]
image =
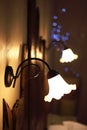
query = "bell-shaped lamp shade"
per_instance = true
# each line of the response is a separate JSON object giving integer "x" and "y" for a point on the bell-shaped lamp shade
{"x": 68, "y": 56}
{"x": 58, "y": 87}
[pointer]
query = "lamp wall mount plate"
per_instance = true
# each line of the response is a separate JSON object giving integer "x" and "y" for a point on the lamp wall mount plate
{"x": 8, "y": 77}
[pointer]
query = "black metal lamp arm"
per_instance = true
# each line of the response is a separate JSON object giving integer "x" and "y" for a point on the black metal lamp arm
{"x": 9, "y": 75}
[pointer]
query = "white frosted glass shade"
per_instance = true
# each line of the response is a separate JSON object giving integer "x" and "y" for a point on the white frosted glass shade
{"x": 68, "y": 56}
{"x": 58, "y": 87}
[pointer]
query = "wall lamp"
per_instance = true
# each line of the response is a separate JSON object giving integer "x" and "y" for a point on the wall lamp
{"x": 68, "y": 56}
{"x": 67, "y": 53}
{"x": 57, "y": 85}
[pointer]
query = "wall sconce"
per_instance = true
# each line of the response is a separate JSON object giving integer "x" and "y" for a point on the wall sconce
{"x": 57, "y": 86}
{"x": 67, "y": 54}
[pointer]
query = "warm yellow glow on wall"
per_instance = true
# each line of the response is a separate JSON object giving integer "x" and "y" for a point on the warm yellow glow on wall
{"x": 32, "y": 51}
{"x": 8, "y": 56}
{"x": 13, "y": 32}
{"x": 13, "y": 52}
{"x": 35, "y": 52}
{"x": 2, "y": 66}
{"x": 38, "y": 53}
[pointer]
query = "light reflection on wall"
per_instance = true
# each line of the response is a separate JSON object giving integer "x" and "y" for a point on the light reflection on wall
{"x": 33, "y": 51}
{"x": 38, "y": 53}
{"x": 2, "y": 66}
{"x": 13, "y": 52}
{"x": 12, "y": 35}
{"x": 10, "y": 57}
